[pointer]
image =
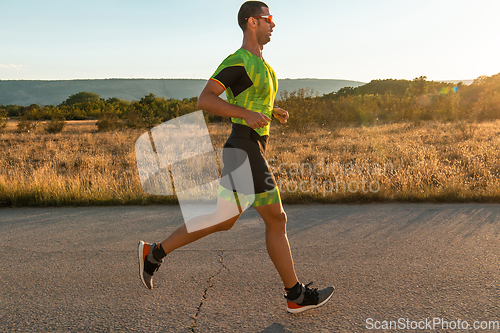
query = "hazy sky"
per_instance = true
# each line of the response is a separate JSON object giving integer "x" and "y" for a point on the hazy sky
{"x": 337, "y": 39}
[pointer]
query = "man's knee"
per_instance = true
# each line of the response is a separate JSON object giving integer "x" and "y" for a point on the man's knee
{"x": 282, "y": 217}
{"x": 277, "y": 220}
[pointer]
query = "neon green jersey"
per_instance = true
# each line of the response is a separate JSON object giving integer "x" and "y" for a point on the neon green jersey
{"x": 249, "y": 82}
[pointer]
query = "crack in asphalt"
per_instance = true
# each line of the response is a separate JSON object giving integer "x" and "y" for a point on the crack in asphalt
{"x": 210, "y": 285}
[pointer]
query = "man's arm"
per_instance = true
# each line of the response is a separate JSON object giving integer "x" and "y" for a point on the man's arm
{"x": 210, "y": 101}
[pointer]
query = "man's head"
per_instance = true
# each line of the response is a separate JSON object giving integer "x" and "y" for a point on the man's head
{"x": 255, "y": 20}
{"x": 249, "y": 9}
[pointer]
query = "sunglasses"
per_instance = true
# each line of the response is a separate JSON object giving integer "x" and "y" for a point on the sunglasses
{"x": 268, "y": 18}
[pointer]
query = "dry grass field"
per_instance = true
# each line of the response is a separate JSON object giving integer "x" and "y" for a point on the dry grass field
{"x": 437, "y": 162}
{"x": 78, "y": 166}
{"x": 398, "y": 162}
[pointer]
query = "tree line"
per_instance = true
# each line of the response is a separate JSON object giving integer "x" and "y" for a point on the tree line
{"x": 379, "y": 101}
{"x": 392, "y": 101}
{"x": 111, "y": 113}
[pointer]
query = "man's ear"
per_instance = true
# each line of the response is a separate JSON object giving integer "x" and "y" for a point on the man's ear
{"x": 252, "y": 22}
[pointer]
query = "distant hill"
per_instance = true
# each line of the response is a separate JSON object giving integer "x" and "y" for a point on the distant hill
{"x": 26, "y": 92}
{"x": 321, "y": 86}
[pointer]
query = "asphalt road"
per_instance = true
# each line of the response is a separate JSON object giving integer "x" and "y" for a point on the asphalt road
{"x": 75, "y": 269}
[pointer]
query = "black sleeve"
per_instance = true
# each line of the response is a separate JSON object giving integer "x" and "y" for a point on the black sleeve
{"x": 236, "y": 78}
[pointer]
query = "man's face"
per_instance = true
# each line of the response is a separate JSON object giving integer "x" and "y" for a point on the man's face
{"x": 264, "y": 28}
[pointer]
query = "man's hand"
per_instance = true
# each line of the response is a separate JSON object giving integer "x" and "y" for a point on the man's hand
{"x": 256, "y": 120}
{"x": 280, "y": 114}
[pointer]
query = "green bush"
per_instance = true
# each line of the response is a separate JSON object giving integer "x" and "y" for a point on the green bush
{"x": 55, "y": 125}
{"x": 3, "y": 119}
{"x": 25, "y": 125}
{"x": 108, "y": 122}
{"x": 134, "y": 119}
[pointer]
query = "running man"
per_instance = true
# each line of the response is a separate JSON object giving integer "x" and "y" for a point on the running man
{"x": 251, "y": 86}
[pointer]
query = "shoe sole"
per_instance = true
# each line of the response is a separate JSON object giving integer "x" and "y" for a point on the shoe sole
{"x": 141, "y": 263}
{"x": 308, "y": 307}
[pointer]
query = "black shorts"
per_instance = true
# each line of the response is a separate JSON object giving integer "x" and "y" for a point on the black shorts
{"x": 245, "y": 138}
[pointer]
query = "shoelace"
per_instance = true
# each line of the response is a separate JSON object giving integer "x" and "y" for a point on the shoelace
{"x": 157, "y": 263}
{"x": 310, "y": 284}
{"x": 311, "y": 292}
{"x": 150, "y": 267}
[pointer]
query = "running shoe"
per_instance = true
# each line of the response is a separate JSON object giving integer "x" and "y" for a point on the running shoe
{"x": 309, "y": 298}
{"x": 147, "y": 263}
